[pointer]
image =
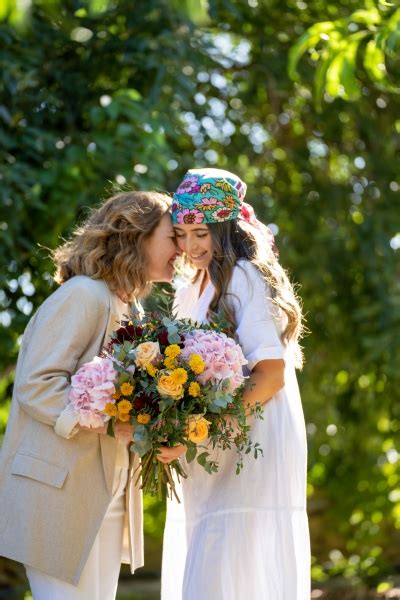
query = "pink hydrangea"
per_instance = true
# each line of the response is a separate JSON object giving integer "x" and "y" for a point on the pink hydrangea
{"x": 92, "y": 388}
{"x": 223, "y": 358}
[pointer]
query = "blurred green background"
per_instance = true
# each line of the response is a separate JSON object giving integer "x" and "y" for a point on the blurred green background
{"x": 301, "y": 99}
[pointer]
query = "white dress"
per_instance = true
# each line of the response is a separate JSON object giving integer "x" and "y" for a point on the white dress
{"x": 244, "y": 537}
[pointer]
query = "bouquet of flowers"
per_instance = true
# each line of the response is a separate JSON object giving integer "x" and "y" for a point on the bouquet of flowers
{"x": 176, "y": 382}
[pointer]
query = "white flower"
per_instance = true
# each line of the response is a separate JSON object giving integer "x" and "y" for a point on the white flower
{"x": 146, "y": 352}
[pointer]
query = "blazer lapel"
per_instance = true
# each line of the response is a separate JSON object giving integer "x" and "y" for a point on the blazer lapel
{"x": 108, "y": 444}
{"x": 108, "y": 454}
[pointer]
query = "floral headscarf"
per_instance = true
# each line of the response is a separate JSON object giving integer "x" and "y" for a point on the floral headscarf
{"x": 208, "y": 196}
{"x": 214, "y": 195}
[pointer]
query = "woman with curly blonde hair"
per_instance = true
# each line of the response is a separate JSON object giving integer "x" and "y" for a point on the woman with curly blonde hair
{"x": 241, "y": 536}
{"x": 70, "y": 511}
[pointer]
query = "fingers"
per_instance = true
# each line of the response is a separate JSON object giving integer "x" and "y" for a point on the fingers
{"x": 123, "y": 431}
{"x": 167, "y": 455}
{"x": 101, "y": 429}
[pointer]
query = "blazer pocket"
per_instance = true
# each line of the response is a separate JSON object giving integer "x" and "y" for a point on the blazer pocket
{"x": 40, "y": 469}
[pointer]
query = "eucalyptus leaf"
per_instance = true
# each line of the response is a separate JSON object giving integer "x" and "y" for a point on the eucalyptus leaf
{"x": 191, "y": 452}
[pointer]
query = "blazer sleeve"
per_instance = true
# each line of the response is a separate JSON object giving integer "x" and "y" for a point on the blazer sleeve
{"x": 257, "y": 323}
{"x": 65, "y": 325}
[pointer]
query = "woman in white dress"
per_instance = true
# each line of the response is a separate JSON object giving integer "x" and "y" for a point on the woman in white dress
{"x": 240, "y": 537}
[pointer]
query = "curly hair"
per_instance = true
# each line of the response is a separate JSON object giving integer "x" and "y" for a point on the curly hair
{"x": 234, "y": 240}
{"x": 111, "y": 243}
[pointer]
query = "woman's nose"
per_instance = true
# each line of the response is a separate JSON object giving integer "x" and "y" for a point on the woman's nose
{"x": 182, "y": 245}
{"x": 191, "y": 245}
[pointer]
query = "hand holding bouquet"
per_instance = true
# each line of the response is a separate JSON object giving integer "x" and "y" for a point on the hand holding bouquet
{"x": 176, "y": 383}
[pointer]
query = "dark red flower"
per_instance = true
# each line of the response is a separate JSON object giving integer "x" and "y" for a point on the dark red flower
{"x": 163, "y": 337}
{"x": 127, "y": 333}
{"x": 146, "y": 401}
{"x": 141, "y": 401}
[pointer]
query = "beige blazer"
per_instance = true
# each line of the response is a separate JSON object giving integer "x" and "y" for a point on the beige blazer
{"x": 55, "y": 487}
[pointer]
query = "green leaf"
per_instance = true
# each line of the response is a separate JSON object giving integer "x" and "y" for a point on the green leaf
{"x": 374, "y": 61}
{"x": 366, "y": 17}
{"x": 174, "y": 338}
{"x": 340, "y": 75}
{"x": 110, "y": 428}
{"x": 320, "y": 77}
{"x": 195, "y": 10}
{"x": 191, "y": 452}
{"x": 309, "y": 39}
{"x": 202, "y": 458}
{"x": 213, "y": 408}
{"x": 129, "y": 93}
{"x": 165, "y": 403}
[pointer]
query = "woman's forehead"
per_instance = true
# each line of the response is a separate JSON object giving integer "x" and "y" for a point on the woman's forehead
{"x": 190, "y": 227}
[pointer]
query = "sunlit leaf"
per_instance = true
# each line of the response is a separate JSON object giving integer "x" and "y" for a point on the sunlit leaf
{"x": 368, "y": 17}
{"x": 374, "y": 61}
{"x": 309, "y": 39}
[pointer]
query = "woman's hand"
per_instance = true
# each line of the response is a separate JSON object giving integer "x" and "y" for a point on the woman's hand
{"x": 102, "y": 429}
{"x": 123, "y": 431}
{"x": 168, "y": 454}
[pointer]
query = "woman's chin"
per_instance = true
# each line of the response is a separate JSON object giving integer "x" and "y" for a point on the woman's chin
{"x": 165, "y": 277}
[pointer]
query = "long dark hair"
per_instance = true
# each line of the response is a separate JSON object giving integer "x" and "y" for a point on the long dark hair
{"x": 234, "y": 240}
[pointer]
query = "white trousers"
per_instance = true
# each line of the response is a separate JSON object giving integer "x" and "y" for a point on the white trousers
{"x": 99, "y": 578}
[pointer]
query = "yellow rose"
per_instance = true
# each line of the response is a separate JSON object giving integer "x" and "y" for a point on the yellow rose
{"x": 179, "y": 376}
{"x": 143, "y": 419}
{"x": 172, "y": 351}
{"x": 146, "y": 352}
{"x": 196, "y": 363}
{"x": 197, "y": 428}
{"x": 110, "y": 409}
{"x": 194, "y": 389}
{"x": 124, "y": 406}
{"x": 127, "y": 389}
{"x": 167, "y": 387}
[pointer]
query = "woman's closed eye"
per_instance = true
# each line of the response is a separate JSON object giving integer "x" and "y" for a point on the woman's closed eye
{"x": 198, "y": 235}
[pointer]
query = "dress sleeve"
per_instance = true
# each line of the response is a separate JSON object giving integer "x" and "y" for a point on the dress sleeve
{"x": 64, "y": 326}
{"x": 182, "y": 305}
{"x": 257, "y": 322}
